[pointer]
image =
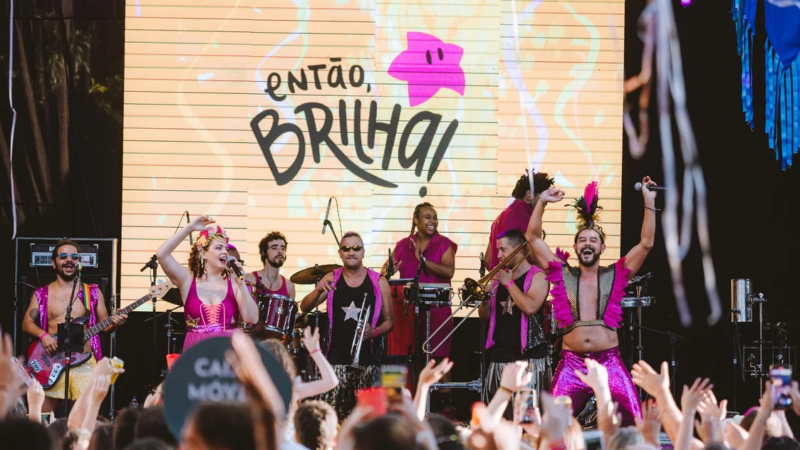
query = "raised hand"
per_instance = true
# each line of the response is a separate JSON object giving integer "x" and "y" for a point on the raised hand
{"x": 647, "y": 193}
{"x": 709, "y": 428}
{"x": 596, "y": 376}
{"x": 555, "y": 420}
{"x": 735, "y": 436}
{"x": 200, "y": 223}
{"x": 99, "y": 388}
{"x": 552, "y": 195}
{"x": 650, "y": 425}
{"x": 311, "y": 340}
{"x": 648, "y": 379}
{"x": 795, "y": 392}
{"x": 514, "y": 376}
{"x": 104, "y": 367}
{"x": 692, "y": 396}
{"x": 433, "y": 372}
{"x": 35, "y": 396}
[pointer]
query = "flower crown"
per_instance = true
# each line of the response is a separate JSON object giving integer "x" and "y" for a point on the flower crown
{"x": 206, "y": 236}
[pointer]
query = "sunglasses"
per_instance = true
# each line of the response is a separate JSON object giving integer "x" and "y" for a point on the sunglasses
{"x": 347, "y": 248}
{"x": 74, "y": 256}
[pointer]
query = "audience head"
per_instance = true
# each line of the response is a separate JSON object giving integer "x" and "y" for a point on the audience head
{"x": 25, "y": 434}
{"x": 102, "y": 438}
{"x": 315, "y": 425}
{"x": 447, "y": 435}
{"x": 148, "y": 444}
{"x": 389, "y": 432}
{"x": 125, "y": 426}
{"x": 283, "y": 356}
{"x": 17, "y": 410}
{"x": 219, "y": 425}
{"x": 152, "y": 424}
{"x": 625, "y": 438}
{"x": 781, "y": 443}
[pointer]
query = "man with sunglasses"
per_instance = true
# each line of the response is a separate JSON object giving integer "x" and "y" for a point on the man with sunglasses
{"x": 48, "y": 308}
{"x": 348, "y": 292}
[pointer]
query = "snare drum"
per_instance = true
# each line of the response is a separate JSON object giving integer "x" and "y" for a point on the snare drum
{"x": 432, "y": 295}
{"x": 279, "y": 313}
{"x": 637, "y": 302}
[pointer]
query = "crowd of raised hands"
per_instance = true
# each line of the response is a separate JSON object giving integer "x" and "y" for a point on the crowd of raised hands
{"x": 399, "y": 423}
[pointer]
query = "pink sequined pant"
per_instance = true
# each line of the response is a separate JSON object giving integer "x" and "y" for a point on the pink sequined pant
{"x": 565, "y": 382}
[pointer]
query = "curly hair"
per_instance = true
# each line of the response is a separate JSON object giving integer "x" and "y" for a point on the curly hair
{"x": 541, "y": 182}
{"x": 196, "y": 259}
{"x": 263, "y": 246}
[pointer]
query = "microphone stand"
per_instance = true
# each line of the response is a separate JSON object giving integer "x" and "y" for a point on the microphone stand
{"x": 415, "y": 300}
{"x": 328, "y": 223}
{"x": 738, "y": 361}
{"x": 68, "y": 344}
{"x": 482, "y": 337}
{"x": 673, "y": 344}
{"x": 153, "y": 266}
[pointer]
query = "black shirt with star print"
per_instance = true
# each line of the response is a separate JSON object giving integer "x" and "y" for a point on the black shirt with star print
{"x": 507, "y": 346}
{"x": 347, "y": 303}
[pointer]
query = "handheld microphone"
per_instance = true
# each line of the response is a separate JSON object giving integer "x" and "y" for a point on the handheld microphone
{"x": 390, "y": 272}
{"x": 79, "y": 267}
{"x": 638, "y": 187}
{"x": 482, "y": 270}
{"x": 422, "y": 263}
{"x": 327, "y": 213}
{"x": 232, "y": 264}
{"x": 188, "y": 220}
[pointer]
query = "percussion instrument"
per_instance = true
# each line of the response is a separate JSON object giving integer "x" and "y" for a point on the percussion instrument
{"x": 279, "y": 313}
{"x": 401, "y": 338}
{"x": 637, "y": 302}
{"x": 741, "y": 300}
{"x": 432, "y": 295}
{"x": 312, "y": 274}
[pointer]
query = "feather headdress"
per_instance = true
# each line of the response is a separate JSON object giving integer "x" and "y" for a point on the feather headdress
{"x": 588, "y": 211}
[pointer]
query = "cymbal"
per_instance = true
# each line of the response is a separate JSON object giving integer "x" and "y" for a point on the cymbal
{"x": 310, "y": 275}
{"x": 173, "y": 296}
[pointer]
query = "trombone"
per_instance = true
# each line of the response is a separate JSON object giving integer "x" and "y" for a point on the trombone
{"x": 358, "y": 338}
{"x": 478, "y": 292}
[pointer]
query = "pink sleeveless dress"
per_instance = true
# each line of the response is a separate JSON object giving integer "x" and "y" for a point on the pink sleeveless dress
{"x": 207, "y": 321}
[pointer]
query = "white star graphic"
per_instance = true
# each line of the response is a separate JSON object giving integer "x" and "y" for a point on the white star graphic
{"x": 351, "y": 312}
{"x": 508, "y": 307}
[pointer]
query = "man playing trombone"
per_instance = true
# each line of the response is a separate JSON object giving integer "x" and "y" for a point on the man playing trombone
{"x": 359, "y": 309}
{"x": 514, "y": 313}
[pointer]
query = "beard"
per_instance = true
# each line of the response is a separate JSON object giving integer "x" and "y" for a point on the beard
{"x": 276, "y": 264}
{"x": 594, "y": 258}
{"x": 60, "y": 274}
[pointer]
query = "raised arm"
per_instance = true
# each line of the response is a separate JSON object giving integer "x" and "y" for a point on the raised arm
{"x": 328, "y": 379}
{"x": 534, "y": 232}
{"x": 244, "y": 299}
{"x": 176, "y": 271}
{"x": 319, "y": 294}
{"x": 636, "y": 256}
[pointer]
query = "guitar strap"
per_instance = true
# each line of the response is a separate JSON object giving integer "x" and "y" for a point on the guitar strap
{"x": 87, "y": 299}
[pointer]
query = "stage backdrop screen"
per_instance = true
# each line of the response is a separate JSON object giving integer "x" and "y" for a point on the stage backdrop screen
{"x": 256, "y": 112}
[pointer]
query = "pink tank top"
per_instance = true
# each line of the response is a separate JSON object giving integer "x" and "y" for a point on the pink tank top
{"x": 203, "y": 318}
{"x": 262, "y": 289}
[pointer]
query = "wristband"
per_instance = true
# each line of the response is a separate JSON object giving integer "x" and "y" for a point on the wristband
{"x": 508, "y": 284}
{"x": 652, "y": 209}
{"x": 314, "y": 351}
{"x": 503, "y": 388}
{"x": 42, "y": 336}
{"x": 558, "y": 445}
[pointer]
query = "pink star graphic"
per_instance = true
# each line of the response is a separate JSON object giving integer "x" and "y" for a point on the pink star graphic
{"x": 428, "y": 65}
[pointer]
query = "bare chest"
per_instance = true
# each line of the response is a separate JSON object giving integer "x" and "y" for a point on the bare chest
{"x": 57, "y": 307}
{"x": 588, "y": 298}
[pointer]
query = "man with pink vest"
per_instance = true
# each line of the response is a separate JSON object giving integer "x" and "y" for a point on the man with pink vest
{"x": 347, "y": 291}
{"x": 514, "y": 314}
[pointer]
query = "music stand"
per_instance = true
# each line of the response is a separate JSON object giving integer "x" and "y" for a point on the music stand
{"x": 70, "y": 340}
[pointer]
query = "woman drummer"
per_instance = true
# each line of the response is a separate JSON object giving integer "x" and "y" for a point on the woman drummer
{"x": 439, "y": 254}
{"x": 214, "y": 298}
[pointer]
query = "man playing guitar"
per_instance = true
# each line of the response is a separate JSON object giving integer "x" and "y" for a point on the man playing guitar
{"x": 49, "y": 306}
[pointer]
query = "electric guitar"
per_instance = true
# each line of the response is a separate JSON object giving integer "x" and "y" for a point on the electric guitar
{"x": 47, "y": 369}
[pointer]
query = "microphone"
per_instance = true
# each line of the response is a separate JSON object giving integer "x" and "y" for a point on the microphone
{"x": 232, "y": 264}
{"x": 422, "y": 263}
{"x": 79, "y": 267}
{"x": 188, "y": 220}
{"x": 482, "y": 270}
{"x": 327, "y": 213}
{"x": 390, "y": 272}
{"x": 638, "y": 187}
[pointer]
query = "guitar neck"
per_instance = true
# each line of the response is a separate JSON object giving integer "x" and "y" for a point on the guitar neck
{"x": 106, "y": 323}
